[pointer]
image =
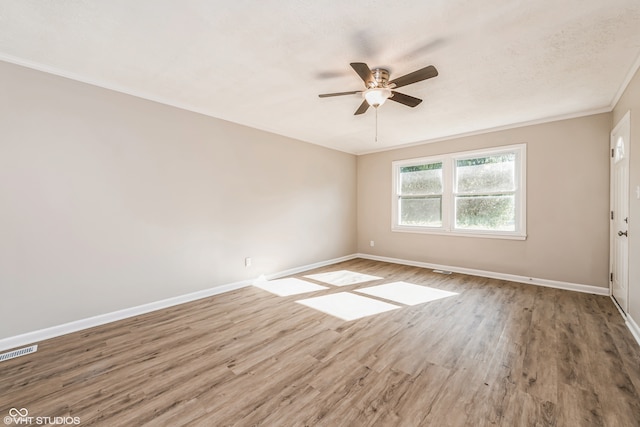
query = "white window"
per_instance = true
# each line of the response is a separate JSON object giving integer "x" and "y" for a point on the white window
{"x": 474, "y": 193}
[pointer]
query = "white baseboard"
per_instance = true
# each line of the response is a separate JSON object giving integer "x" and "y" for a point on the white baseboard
{"x": 78, "y": 325}
{"x": 633, "y": 327}
{"x": 308, "y": 267}
{"x": 628, "y": 320}
{"x": 616, "y": 305}
{"x": 90, "y": 322}
{"x": 597, "y": 290}
{"x": 493, "y": 275}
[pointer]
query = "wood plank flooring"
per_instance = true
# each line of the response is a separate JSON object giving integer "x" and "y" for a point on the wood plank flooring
{"x": 496, "y": 354}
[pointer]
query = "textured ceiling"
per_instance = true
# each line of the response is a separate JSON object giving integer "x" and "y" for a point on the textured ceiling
{"x": 263, "y": 63}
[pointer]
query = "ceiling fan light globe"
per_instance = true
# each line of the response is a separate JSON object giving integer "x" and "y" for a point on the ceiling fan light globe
{"x": 377, "y": 96}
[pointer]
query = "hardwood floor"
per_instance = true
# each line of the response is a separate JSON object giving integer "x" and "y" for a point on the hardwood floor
{"x": 496, "y": 354}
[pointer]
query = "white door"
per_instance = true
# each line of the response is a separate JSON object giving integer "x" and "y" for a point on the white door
{"x": 620, "y": 212}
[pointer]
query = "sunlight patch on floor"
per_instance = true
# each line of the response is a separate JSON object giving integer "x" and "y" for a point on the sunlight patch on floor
{"x": 343, "y": 277}
{"x": 288, "y": 286}
{"x": 347, "y": 306}
{"x": 405, "y": 293}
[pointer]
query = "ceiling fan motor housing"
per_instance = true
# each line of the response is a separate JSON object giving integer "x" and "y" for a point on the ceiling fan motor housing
{"x": 379, "y": 88}
{"x": 381, "y": 77}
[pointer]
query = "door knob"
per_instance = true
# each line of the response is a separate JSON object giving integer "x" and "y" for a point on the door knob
{"x": 622, "y": 233}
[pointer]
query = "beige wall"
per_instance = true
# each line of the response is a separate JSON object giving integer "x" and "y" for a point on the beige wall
{"x": 567, "y": 206}
{"x": 630, "y": 100}
{"x": 109, "y": 201}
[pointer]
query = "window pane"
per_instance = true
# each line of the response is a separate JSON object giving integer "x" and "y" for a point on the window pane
{"x": 421, "y": 179}
{"x": 486, "y": 174}
{"x": 425, "y": 211}
{"x": 486, "y": 212}
{"x": 619, "y": 149}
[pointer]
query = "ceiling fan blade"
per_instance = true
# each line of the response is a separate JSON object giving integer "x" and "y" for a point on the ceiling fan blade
{"x": 407, "y": 100}
{"x": 364, "y": 72}
{"x": 416, "y": 76}
{"x": 326, "y": 95}
{"x": 362, "y": 108}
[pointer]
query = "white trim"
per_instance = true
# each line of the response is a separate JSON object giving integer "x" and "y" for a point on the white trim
{"x": 143, "y": 95}
{"x": 307, "y": 267}
{"x": 624, "y": 121}
{"x": 630, "y": 74}
{"x": 590, "y": 289}
{"x": 628, "y": 320}
{"x": 633, "y": 327}
{"x": 615, "y": 303}
{"x": 551, "y": 119}
{"x": 449, "y": 193}
{"x": 101, "y": 319}
{"x": 98, "y": 83}
{"x": 456, "y": 233}
{"x": 78, "y": 325}
{"x": 395, "y": 192}
{"x": 104, "y": 84}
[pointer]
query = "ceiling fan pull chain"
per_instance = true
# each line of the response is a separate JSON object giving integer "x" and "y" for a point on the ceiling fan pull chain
{"x": 376, "y": 124}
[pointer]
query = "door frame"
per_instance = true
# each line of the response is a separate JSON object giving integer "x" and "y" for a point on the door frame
{"x": 613, "y": 229}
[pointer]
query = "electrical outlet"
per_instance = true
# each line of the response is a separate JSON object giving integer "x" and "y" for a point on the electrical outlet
{"x": 372, "y": 243}
{"x": 247, "y": 262}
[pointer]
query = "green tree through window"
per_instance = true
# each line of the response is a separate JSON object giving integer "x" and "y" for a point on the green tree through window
{"x": 471, "y": 192}
{"x": 485, "y": 192}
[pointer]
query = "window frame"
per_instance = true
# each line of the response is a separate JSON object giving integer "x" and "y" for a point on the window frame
{"x": 449, "y": 193}
{"x": 432, "y": 160}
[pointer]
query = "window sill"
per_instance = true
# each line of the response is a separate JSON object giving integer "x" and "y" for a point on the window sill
{"x": 461, "y": 233}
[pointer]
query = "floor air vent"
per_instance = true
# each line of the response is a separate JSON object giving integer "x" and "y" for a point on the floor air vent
{"x": 442, "y": 271}
{"x": 17, "y": 353}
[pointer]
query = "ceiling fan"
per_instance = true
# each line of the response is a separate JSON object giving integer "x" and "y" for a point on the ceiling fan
{"x": 379, "y": 88}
